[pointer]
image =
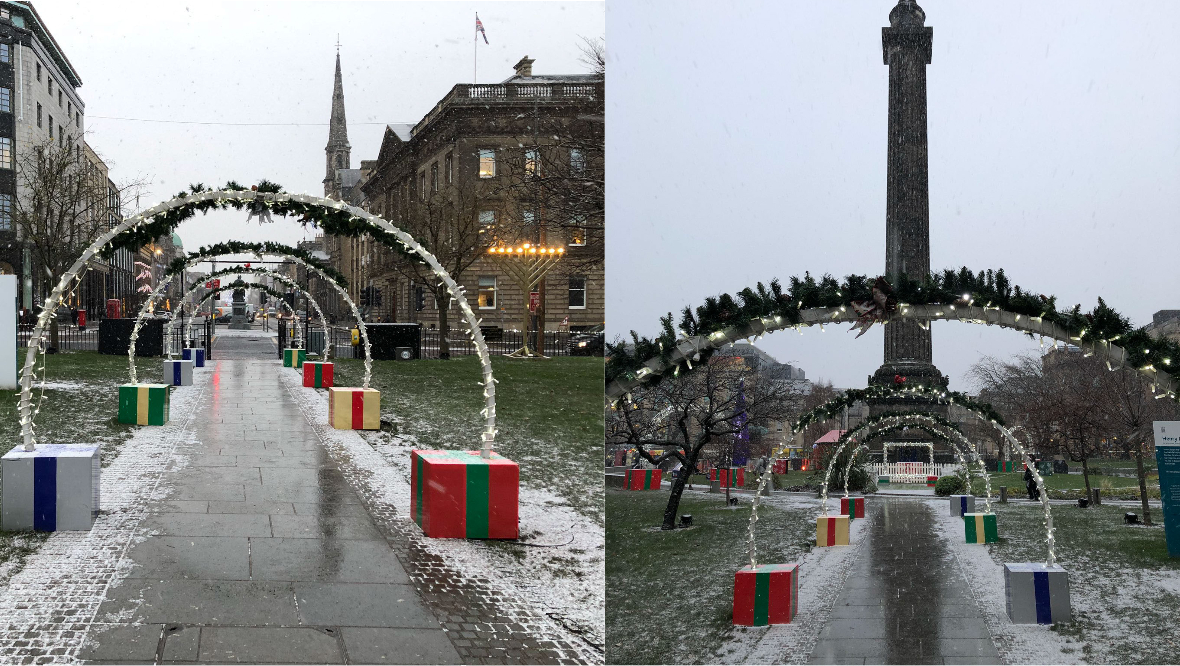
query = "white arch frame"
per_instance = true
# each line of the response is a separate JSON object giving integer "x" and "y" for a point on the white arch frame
{"x": 209, "y": 296}
{"x": 885, "y": 446}
{"x": 688, "y": 347}
{"x": 259, "y": 198}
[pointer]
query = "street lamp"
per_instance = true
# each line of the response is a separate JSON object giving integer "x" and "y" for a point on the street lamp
{"x": 527, "y": 265}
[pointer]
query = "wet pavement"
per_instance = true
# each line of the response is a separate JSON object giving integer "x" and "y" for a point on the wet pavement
{"x": 903, "y": 601}
{"x": 262, "y": 552}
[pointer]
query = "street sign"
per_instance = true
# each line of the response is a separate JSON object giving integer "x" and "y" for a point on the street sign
{"x": 1167, "y": 459}
{"x": 213, "y": 284}
{"x": 534, "y": 300}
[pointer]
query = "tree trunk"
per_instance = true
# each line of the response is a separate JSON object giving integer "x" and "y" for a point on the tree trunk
{"x": 674, "y": 500}
{"x": 443, "y": 298}
{"x": 1142, "y": 484}
{"x": 1086, "y": 476}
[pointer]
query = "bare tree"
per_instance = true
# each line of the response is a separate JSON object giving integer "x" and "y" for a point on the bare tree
{"x": 686, "y": 415}
{"x": 593, "y": 55}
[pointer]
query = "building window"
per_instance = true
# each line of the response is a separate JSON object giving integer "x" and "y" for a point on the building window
{"x": 5, "y": 53}
{"x": 419, "y": 298}
{"x": 449, "y": 165}
{"x": 532, "y": 162}
{"x": 487, "y": 222}
{"x": 487, "y": 292}
{"x": 38, "y": 114}
{"x": 5, "y": 212}
{"x": 5, "y": 100}
{"x": 49, "y": 85}
{"x": 38, "y": 72}
{"x": 422, "y": 186}
{"x": 69, "y": 109}
{"x": 528, "y": 218}
{"x": 77, "y": 118}
{"x": 50, "y": 127}
{"x": 577, "y": 162}
{"x": 487, "y": 163}
{"x": 578, "y": 236}
{"x": 577, "y": 292}
{"x": 59, "y": 98}
{"x": 5, "y": 153}
{"x": 434, "y": 177}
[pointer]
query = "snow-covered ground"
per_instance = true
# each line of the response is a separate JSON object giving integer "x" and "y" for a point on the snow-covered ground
{"x": 561, "y": 573}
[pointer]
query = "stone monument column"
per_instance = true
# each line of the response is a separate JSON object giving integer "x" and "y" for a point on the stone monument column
{"x": 906, "y": 49}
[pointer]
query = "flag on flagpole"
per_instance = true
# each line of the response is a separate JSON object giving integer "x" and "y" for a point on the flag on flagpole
{"x": 479, "y": 28}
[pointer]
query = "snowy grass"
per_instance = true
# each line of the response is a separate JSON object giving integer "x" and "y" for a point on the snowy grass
{"x": 1072, "y": 486}
{"x": 669, "y": 595}
{"x": 548, "y": 413}
{"x": 1124, "y": 589}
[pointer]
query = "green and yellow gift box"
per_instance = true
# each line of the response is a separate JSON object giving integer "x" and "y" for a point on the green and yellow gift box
{"x": 980, "y": 527}
{"x": 294, "y": 358}
{"x": 143, "y": 404}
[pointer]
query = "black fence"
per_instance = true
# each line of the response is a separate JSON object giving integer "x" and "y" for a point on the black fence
{"x": 69, "y": 337}
{"x": 72, "y": 338}
{"x": 557, "y": 343}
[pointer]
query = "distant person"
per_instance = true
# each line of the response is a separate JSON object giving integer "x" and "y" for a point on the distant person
{"x": 1030, "y": 484}
{"x": 74, "y": 316}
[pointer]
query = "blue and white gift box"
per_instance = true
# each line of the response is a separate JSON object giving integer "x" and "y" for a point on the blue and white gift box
{"x": 961, "y": 504}
{"x": 51, "y": 489}
{"x": 194, "y": 354}
{"x": 1036, "y": 594}
{"x": 178, "y": 372}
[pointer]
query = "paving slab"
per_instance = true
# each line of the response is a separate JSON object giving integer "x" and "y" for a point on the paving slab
{"x": 367, "y": 645}
{"x": 262, "y": 645}
{"x": 344, "y": 561}
{"x": 192, "y": 557}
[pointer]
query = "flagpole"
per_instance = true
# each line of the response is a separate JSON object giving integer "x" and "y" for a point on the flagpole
{"x": 475, "y": 53}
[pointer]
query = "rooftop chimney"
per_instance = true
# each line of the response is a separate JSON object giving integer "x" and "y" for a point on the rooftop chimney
{"x": 524, "y": 67}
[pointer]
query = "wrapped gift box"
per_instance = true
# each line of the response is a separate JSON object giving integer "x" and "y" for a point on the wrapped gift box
{"x": 642, "y": 479}
{"x": 194, "y": 354}
{"x": 780, "y": 466}
{"x": 1036, "y": 594}
{"x": 962, "y": 505}
{"x": 178, "y": 373}
{"x": 731, "y": 477}
{"x": 883, "y": 479}
{"x": 354, "y": 408}
{"x": 460, "y": 495}
{"x": 766, "y": 594}
{"x": 857, "y": 504}
{"x": 294, "y": 358}
{"x": 317, "y": 374}
{"x": 931, "y": 481}
{"x": 53, "y": 488}
{"x": 980, "y": 527}
{"x": 143, "y": 404}
{"x": 1009, "y": 466}
{"x": 831, "y": 531}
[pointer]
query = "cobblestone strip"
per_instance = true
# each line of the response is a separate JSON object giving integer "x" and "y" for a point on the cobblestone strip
{"x": 47, "y": 608}
{"x": 485, "y": 624}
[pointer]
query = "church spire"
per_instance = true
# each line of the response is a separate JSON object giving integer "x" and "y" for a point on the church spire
{"x": 338, "y": 150}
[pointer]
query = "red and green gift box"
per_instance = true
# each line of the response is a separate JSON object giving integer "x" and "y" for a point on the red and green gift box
{"x": 765, "y": 594}
{"x": 642, "y": 479}
{"x": 731, "y": 477}
{"x": 857, "y": 505}
{"x": 317, "y": 374}
{"x": 780, "y": 466}
{"x": 931, "y": 481}
{"x": 461, "y": 495}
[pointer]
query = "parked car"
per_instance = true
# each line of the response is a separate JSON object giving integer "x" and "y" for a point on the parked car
{"x": 589, "y": 342}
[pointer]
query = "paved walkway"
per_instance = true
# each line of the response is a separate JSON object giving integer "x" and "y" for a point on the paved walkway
{"x": 904, "y": 602}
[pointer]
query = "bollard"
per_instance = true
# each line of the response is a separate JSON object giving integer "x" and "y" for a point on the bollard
{"x": 1004, "y": 494}
{"x": 1097, "y": 496}
{"x": 714, "y": 487}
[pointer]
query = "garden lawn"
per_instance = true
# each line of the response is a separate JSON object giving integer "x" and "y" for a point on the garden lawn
{"x": 669, "y": 594}
{"x": 1070, "y": 486}
{"x": 548, "y": 414}
{"x": 1124, "y": 588}
{"x": 80, "y": 405}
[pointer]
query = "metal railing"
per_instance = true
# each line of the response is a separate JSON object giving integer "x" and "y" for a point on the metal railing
{"x": 69, "y": 337}
{"x": 557, "y": 343}
{"x": 466, "y": 93}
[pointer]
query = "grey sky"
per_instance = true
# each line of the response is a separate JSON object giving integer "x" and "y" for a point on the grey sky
{"x": 272, "y": 62}
{"x": 747, "y": 141}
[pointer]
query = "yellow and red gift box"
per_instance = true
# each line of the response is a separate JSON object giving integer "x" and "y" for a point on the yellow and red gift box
{"x": 831, "y": 531}
{"x": 765, "y": 594}
{"x": 857, "y": 504}
{"x": 461, "y": 495}
{"x": 643, "y": 479}
{"x": 731, "y": 477}
{"x": 317, "y": 374}
{"x": 354, "y": 408}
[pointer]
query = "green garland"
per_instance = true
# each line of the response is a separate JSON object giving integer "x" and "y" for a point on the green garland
{"x": 833, "y": 408}
{"x": 989, "y": 288}
{"x": 179, "y": 264}
{"x": 332, "y": 221}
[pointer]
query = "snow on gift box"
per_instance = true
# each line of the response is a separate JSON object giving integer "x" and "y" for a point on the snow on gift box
{"x": 52, "y": 488}
{"x": 962, "y": 505}
{"x": 354, "y": 408}
{"x": 294, "y": 358}
{"x": 857, "y": 504}
{"x": 461, "y": 495}
{"x": 143, "y": 404}
{"x": 178, "y": 372}
{"x": 831, "y": 531}
{"x": 1035, "y": 593}
{"x": 317, "y": 374}
{"x": 642, "y": 479}
{"x": 765, "y": 594}
{"x": 980, "y": 527}
{"x": 194, "y": 354}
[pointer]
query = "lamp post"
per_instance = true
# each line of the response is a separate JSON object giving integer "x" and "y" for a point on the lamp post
{"x": 527, "y": 264}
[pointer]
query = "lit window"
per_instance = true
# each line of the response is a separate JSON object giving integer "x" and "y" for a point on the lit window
{"x": 577, "y": 162}
{"x": 5, "y": 53}
{"x": 487, "y": 222}
{"x": 5, "y": 212}
{"x": 577, "y": 292}
{"x": 5, "y": 153}
{"x": 578, "y": 236}
{"x": 487, "y": 292}
{"x": 5, "y": 100}
{"x": 532, "y": 162}
{"x": 449, "y": 164}
{"x": 528, "y": 218}
{"x": 434, "y": 177}
{"x": 487, "y": 163}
